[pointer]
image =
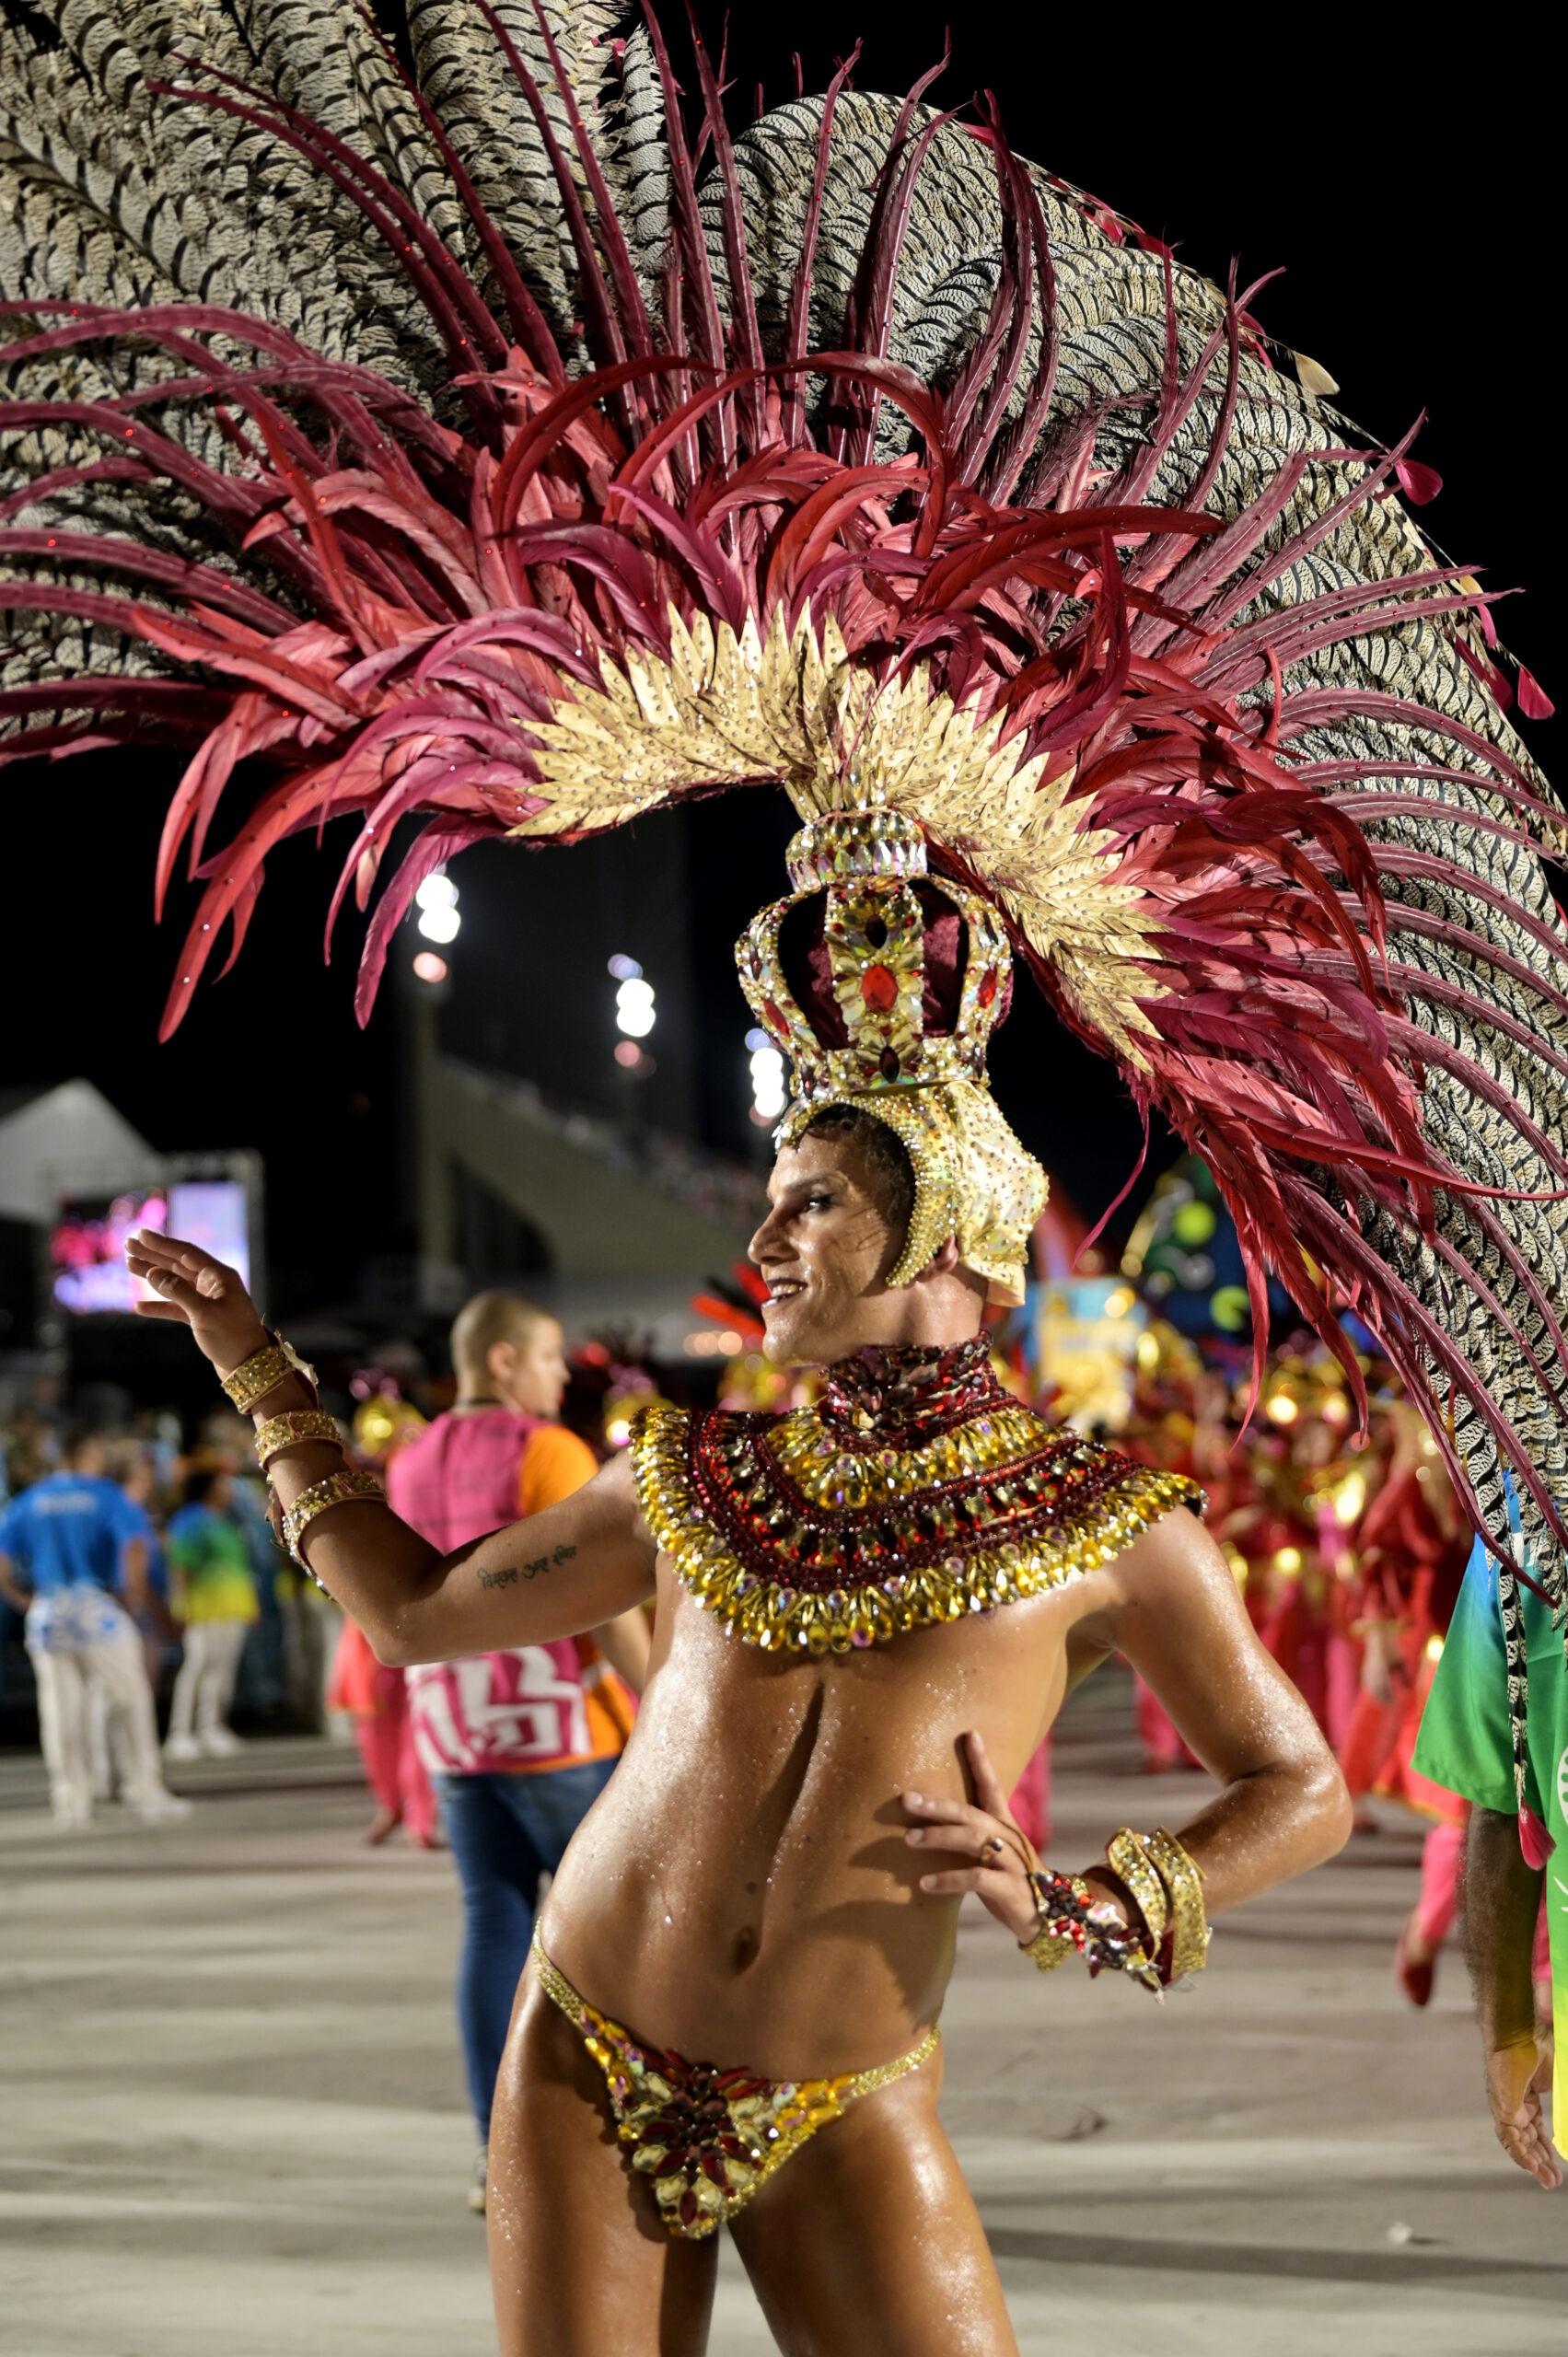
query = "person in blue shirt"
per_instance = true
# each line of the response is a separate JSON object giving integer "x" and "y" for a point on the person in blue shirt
{"x": 132, "y": 1469}
{"x": 71, "y": 1546}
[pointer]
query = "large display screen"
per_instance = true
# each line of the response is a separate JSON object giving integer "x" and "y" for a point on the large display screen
{"x": 87, "y": 1244}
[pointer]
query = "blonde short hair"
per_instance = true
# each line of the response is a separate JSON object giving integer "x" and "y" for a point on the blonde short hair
{"x": 489, "y": 1319}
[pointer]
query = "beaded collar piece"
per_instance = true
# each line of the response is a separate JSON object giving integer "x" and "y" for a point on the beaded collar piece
{"x": 917, "y": 1489}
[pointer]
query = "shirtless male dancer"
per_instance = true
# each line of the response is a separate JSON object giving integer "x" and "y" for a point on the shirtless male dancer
{"x": 771, "y": 1884}
{"x": 535, "y": 451}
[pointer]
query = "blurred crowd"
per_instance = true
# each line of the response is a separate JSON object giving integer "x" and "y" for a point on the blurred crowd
{"x": 233, "y": 1636}
{"x": 1349, "y": 1545}
{"x": 140, "y": 1578}
{"x": 173, "y": 1531}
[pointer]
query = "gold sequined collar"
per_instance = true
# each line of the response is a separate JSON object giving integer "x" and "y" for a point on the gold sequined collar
{"x": 816, "y": 1531}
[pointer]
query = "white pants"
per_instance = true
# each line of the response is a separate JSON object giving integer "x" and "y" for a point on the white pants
{"x": 117, "y": 1669}
{"x": 105, "y": 1745}
{"x": 204, "y": 1688}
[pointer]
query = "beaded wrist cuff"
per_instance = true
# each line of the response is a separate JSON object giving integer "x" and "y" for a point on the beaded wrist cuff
{"x": 254, "y": 1377}
{"x": 1048, "y": 1949}
{"x": 337, "y": 1490}
{"x": 1071, "y": 1919}
{"x": 294, "y": 1426}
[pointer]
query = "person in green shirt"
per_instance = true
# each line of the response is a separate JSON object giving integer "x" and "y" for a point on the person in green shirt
{"x": 213, "y": 1593}
{"x": 1464, "y": 1745}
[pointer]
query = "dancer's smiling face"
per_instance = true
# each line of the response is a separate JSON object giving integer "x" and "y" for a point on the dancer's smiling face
{"x": 839, "y": 1208}
{"x": 826, "y": 1247}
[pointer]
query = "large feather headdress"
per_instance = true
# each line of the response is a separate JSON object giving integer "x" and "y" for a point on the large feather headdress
{"x": 502, "y": 447}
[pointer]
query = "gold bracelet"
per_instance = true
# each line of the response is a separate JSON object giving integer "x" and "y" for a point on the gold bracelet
{"x": 255, "y": 1376}
{"x": 337, "y": 1490}
{"x": 1182, "y": 1877}
{"x": 293, "y": 1427}
{"x": 262, "y": 1372}
{"x": 1127, "y": 1858}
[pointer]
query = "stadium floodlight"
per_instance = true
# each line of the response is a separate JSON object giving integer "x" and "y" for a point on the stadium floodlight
{"x": 634, "y": 1007}
{"x": 768, "y": 1086}
{"x": 440, "y": 922}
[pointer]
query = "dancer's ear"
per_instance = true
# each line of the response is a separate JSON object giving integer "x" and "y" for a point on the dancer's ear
{"x": 946, "y": 1271}
{"x": 944, "y": 1260}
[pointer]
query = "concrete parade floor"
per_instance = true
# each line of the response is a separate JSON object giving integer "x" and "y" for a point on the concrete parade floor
{"x": 231, "y": 2120}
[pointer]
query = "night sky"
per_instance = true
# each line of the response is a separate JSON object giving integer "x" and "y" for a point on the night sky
{"x": 1410, "y": 189}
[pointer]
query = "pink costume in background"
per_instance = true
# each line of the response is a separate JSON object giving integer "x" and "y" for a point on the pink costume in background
{"x": 1412, "y": 1547}
{"x": 1030, "y": 1803}
{"x": 528, "y": 1707}
{"x": 377, "y": 1699}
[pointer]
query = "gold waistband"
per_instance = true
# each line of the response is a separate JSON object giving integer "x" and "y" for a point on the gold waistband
{"x": 847, "y": 2088}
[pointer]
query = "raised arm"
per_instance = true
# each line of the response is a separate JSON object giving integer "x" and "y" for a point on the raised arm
{"x": 570, "y": 1569}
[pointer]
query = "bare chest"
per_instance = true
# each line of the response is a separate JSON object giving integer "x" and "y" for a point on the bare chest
{"x": 842, "y": 1728}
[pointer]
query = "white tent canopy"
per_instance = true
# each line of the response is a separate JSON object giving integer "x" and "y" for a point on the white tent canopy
{"x": 67, "y": 1141}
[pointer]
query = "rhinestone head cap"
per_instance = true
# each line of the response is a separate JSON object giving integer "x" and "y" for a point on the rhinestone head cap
{"x": 863, "y": 1034}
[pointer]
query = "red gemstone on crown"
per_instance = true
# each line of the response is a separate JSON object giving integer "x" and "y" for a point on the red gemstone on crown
{"x": 775, "y": 1020}
{"x": 888, "y": 1064}
{"x": 880, "y": 989}
{"x": 987, "y": 990}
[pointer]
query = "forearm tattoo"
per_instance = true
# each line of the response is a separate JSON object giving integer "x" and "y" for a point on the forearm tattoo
{"x": 509, "y": 1573}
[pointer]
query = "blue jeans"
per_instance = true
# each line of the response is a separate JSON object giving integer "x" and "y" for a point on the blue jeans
{"x": 505, "y": 1831}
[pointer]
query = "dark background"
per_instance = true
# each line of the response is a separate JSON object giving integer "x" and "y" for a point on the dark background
{"x": 1406, "y": 179}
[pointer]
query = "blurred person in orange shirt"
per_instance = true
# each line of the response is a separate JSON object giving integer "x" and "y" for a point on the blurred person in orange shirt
{"x": 518, "y": 1744}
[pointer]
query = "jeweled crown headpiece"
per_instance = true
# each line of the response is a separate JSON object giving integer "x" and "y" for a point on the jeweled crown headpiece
{"x": 887, "y": 1007}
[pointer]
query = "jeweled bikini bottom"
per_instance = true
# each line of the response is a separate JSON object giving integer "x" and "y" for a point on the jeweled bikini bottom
{"x": 708, "y": 2138}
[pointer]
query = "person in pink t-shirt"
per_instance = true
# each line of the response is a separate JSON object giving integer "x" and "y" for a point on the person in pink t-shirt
{"x": 518, "y": 1744}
